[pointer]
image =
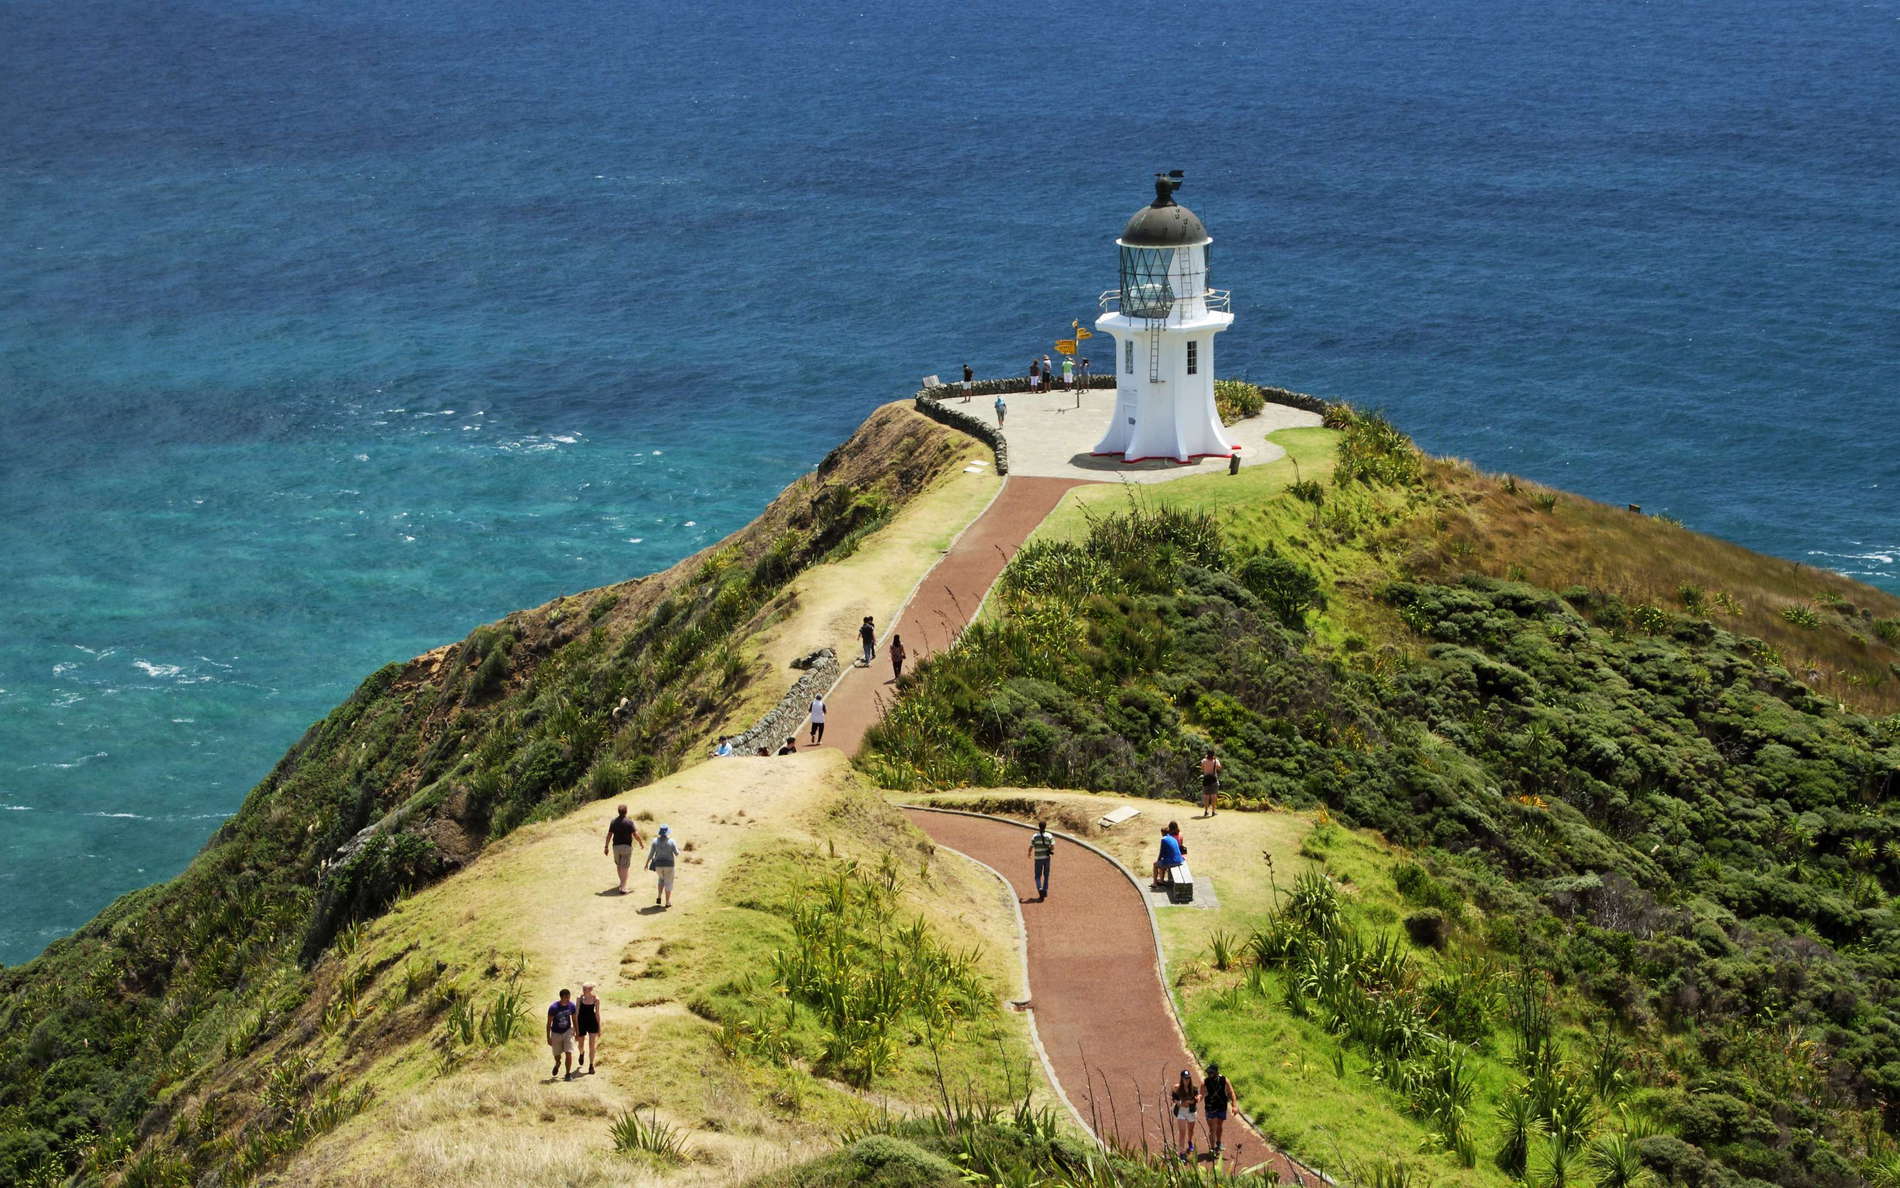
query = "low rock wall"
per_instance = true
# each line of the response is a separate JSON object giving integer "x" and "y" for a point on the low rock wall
{"x": 788, "y": 717}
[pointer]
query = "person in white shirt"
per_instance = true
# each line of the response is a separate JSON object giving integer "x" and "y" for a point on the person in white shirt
{"x": 817, "y": 720}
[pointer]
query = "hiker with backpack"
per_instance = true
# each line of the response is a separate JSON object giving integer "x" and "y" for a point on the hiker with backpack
{"x": 1217, "y": 1098}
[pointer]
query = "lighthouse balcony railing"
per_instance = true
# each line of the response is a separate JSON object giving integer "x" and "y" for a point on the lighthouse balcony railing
{"x": 1215, "y": 300}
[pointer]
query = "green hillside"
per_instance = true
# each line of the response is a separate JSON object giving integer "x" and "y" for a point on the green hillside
{"x": 1572, "y": 859}
{"x": 1649, "y": 903}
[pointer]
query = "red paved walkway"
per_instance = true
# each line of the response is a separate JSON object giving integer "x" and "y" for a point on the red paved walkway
{"x": 943, "y": 604}
{"x": 1095, "y": 986}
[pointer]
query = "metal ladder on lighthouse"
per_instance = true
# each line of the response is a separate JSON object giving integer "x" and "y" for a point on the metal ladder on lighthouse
{"x": 1154, "y": 351}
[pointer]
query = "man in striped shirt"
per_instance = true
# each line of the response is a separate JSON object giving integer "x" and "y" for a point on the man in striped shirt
{"x": 1042, "y": 847}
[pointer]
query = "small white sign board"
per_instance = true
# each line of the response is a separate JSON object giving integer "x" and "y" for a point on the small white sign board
{"x": 1126, "y": 812}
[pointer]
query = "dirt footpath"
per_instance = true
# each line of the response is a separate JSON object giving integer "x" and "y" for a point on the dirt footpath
{"x": 1095, "y": 987}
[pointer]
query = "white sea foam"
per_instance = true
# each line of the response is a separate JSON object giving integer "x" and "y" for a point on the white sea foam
{"x": 185, "y": 721}
{"x": 690, "y": 524}
{"x": 362, "y": 457}
{"x": 635, "y": 539}
{"x": 566, "y": 438}
{"x": 63, "y": 669}
{"x": 16, "y": 808}
{"x": 79, "y": 762}
{"x": 158, "y": 671}
{"x": 120, "y": 816}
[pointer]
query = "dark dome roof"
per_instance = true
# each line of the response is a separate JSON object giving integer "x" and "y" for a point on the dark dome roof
{"x": 1172, "y": 225}
{"x": 1164, "y": 222}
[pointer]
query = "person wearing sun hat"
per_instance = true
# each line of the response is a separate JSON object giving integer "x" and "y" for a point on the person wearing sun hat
{"x": 660, "y": 858}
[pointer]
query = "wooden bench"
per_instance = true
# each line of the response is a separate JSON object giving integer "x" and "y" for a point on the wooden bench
{"x": 1180, "y": 884}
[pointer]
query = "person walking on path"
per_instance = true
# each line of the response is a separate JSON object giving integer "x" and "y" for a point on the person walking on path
{"x": 660, "y": 858}
{"x": 622, "y": 836}
{"x": 968, "y": 377}
{"x": 1217, "y": 1096}
{"x": 1002, "y": 410}
{"x": 1186, "y": 1100}
{"x": 867, "y": 636}
{"x": 897, "y": 658}
{"x": 587, "y": 1025}
{"x": 817, "y": 719}
{"x": 561, "y": 1014}
{"x": 1210, "y": 782}
{"x": 1042, "y": 847}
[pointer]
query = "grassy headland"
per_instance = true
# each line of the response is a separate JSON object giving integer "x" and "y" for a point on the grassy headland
{"x": 1584, "y": 831}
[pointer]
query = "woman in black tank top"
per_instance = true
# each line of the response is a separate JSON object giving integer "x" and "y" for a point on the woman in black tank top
{"x": 587, "y": 1025}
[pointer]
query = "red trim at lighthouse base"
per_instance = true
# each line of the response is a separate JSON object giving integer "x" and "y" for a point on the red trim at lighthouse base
{"x": 1127, "y": 461}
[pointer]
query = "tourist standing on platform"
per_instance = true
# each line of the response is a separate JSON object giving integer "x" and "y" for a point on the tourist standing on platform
{"x": 897, "y": 658}
{"x": 1035, "y": 373}
{"x": 817, "y": 719}
{"x": 1002, "y": 410}
{"x": 622, "y": 836}
{"x": 1068, "y": 373}
{"x": 867, "y": 636}
{"x": 968, "y": 377}
{"x": 1042, "y": 847}
{"x": 1210, "y": 782}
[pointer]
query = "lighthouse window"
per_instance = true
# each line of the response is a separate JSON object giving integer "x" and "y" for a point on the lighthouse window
{"x": 1129, "y": 364}
{"x": 1194, "y": 357}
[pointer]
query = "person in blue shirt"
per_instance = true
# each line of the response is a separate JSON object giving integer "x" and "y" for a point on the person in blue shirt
{"x": 1169, "y": 858}
{"x": 561, "y": 1032}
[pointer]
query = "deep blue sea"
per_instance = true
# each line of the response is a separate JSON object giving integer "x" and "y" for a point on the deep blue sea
{"x": 328, "y": 332}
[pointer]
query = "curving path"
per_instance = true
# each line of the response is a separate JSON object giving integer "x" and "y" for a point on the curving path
{"x": 1095, "y": 982}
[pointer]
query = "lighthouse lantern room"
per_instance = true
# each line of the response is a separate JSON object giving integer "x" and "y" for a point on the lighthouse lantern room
{"x": 1164, "y": 319}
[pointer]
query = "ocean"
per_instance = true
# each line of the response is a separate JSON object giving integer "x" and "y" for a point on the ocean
{"x": 330, "y": 332}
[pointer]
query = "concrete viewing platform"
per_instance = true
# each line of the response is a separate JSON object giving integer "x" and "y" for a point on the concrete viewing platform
{"x": 1050, "y": 437}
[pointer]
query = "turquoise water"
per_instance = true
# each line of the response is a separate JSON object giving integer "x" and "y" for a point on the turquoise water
{"x": 329, "y": 334}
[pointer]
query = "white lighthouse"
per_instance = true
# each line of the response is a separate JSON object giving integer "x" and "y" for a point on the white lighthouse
{"x": 1164, "y": 319}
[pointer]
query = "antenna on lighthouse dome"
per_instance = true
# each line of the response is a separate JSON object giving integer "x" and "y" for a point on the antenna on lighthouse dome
{"x": 1165, "y": 186}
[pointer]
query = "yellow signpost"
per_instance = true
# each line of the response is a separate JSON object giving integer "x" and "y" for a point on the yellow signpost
{"x": 1065, "y": 346}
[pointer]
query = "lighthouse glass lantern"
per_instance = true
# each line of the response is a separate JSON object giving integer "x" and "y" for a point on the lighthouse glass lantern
{"x": 1163, "y": 319}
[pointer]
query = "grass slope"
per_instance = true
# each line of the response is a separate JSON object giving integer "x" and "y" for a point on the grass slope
{"x": 1660, "y": 867}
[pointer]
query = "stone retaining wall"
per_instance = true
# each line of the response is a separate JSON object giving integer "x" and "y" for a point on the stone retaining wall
{"x": 789, "y": 716}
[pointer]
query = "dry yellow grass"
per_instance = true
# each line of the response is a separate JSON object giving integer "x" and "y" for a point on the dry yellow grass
{"x": 536, "y": 902}
{"x": 824, "y": 605}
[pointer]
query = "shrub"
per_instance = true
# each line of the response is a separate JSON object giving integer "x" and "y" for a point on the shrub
{"x": 1236, "y": 400}
{"x": 1801, "y": 616}
{"x": 647, "y": 1136}
{"x": 1288, "y": 588}
{"x": 1888, "y": 630}
{"x": 1311, "y": 490}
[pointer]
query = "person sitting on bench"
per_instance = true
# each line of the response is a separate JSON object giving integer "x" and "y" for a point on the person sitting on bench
{"x": 1169, "y": 858}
